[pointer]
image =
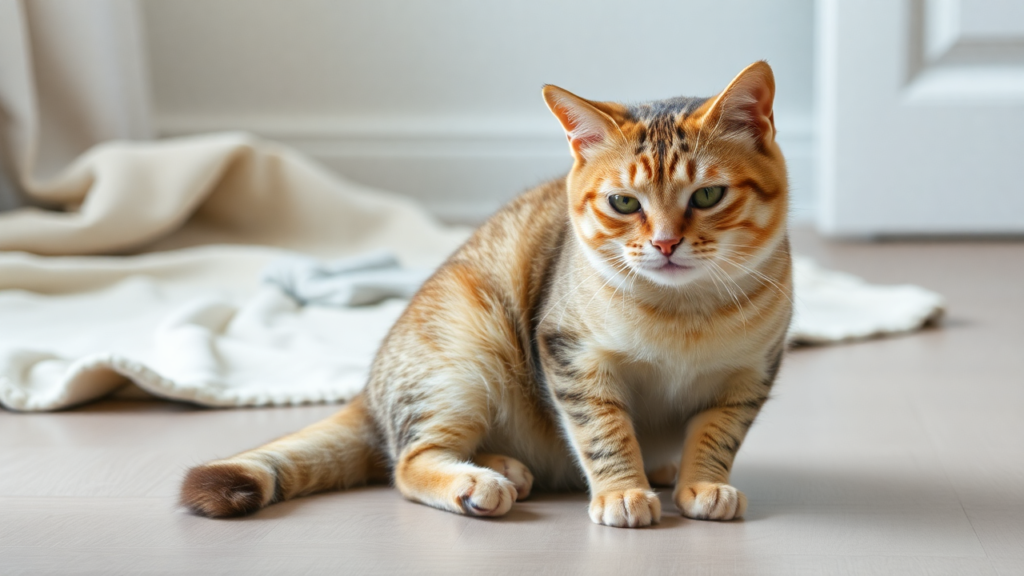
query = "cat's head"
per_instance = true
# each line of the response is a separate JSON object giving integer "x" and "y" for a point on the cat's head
{"x": 679, "y": 189}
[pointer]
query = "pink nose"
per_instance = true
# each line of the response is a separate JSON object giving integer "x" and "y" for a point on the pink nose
{"x": 666, "y": 245}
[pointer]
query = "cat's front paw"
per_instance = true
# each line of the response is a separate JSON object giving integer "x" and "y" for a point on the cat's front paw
{"x": 633, "y": 508}
{"x": 710, "y": 501}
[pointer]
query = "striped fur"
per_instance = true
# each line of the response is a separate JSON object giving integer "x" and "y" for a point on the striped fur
{"x": 567, "y": 345}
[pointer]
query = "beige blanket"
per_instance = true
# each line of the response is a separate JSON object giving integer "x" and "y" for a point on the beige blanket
{"x": 150, "y": 275}
{"x": 175, "y": 305}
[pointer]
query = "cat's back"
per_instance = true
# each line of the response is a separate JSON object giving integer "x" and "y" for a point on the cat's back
{"x": 520, "y": 240}
{"x": 509, "y": 260}
{"x": 487, "y": 292}
{"x": 465, "y": 339}
{"x": 506, "y": 261}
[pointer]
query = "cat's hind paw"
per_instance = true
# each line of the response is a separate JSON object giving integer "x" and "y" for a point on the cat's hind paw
{"x": 510, "y": 468}
{"x": 633, "y": 508}
{"x": 486, "y": 493}
{"x": 710, "y": 501}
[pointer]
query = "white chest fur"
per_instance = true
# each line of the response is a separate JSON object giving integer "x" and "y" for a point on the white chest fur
{"x": 671, "y": 366}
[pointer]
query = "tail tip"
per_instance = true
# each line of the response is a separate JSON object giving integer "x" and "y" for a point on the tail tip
{"x": 222, "y": 490}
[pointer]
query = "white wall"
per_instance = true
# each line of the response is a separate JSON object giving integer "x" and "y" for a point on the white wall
{"x": 440, "y": 99}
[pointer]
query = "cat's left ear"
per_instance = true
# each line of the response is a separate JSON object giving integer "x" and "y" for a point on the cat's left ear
{"x": 746, "y": 104}
{"x": 588, "y": 129}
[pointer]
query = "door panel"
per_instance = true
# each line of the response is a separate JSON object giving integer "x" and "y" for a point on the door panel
{"x": 921, "y": 117}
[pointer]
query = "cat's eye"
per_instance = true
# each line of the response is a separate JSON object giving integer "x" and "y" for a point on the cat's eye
{"x": 624, "y": 204}
{"x": 707, "y": 197}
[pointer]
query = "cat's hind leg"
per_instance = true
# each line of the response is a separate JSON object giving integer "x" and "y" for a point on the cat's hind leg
{"x": 335, "y": 453}
{"x": 510, "y": 468}
{"x": 436, "y": 470}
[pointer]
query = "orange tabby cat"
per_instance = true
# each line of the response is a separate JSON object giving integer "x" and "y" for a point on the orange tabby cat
{"x": 619, "y": 327}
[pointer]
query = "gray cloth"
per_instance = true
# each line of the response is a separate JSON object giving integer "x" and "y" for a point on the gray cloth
{"x": 355, "y": 281}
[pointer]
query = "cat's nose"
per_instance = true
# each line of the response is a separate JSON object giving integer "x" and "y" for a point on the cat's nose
{"x": 666, "y": 245}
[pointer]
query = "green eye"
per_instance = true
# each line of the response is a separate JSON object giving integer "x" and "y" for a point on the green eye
{"x": 707, "y": 197}
{"x": 624, "y": 204}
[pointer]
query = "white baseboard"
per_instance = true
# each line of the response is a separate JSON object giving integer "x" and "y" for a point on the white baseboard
{"x": 461, "y": 168}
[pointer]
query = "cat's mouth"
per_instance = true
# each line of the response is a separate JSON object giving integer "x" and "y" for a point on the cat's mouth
{"x": 672, "y": 267}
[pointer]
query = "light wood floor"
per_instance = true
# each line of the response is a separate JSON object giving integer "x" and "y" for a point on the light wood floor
{"x": 902, "y": 456}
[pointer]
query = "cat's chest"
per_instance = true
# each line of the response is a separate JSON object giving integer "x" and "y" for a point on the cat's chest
{"x": 672, "y": 360}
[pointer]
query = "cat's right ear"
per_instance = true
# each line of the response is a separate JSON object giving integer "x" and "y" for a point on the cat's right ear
{"x": 587, "y": 128}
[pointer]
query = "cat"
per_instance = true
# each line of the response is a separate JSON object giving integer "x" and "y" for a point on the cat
{"x": 613, "y": 330}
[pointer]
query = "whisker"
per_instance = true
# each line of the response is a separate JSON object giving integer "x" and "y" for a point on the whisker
{"x": 630, "y": 273}
{"x": 759, "y": 277}
{"x": 598, "y": 291}
{"x": 738, "y": 288}
{"x": 566, "y": 295}
{"x": 739, "y": 307}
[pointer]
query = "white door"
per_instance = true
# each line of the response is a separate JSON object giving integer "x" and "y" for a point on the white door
{"x": 921, "y": 117}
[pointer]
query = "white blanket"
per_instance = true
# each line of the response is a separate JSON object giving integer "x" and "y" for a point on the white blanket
{"x": 180, "y": 311}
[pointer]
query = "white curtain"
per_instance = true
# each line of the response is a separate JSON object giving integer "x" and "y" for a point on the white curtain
{"x": 72, "y": 74}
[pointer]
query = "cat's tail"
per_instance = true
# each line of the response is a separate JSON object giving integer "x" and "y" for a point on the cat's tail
{"x": 335, "y": 453}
